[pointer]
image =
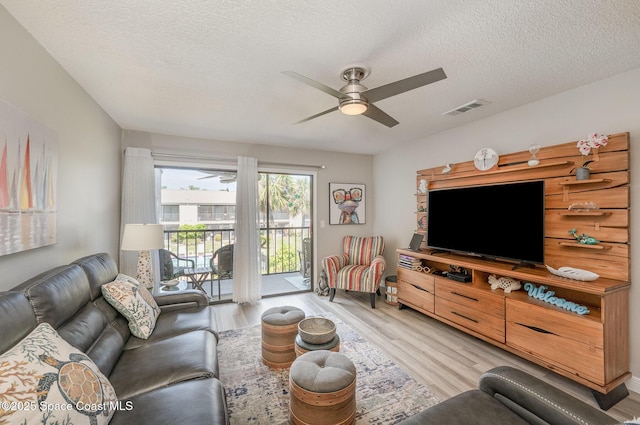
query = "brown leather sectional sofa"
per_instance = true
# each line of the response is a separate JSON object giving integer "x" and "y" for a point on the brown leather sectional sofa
{"x": 170, "y": 378}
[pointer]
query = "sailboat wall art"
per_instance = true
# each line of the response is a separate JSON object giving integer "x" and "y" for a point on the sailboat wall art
{"x": 28, "y": 173}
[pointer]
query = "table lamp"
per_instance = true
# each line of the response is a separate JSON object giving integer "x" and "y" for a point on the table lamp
{"x": 142, "y": 238}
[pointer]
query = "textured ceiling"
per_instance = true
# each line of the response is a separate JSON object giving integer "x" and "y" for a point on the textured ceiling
{"x": 213, "y": 69}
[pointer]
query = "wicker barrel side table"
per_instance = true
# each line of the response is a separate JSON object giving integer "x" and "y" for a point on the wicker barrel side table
{"x": 279, "y": 330}
{"x": 322, "y": 388}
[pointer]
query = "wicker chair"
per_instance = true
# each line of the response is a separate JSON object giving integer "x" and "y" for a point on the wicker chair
{"x": 223, "y": 267}
{"x": 172, "y": 266}
{"x": 359, "y": 268}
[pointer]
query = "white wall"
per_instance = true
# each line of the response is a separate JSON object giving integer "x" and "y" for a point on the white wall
{"x": 608, "y": 106}
{"x": 340, "y": 168}
{"x": 89, "y": 154}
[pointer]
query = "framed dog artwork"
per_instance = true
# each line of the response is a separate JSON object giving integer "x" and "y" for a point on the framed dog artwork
{"x": 347, "y": 203}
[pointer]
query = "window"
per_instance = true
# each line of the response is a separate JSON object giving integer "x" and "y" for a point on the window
{"x": 170, "y": 213}
{"x": 205, "y": 213}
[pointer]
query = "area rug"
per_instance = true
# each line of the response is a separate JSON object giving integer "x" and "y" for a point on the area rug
{"x": 256, "y": 394}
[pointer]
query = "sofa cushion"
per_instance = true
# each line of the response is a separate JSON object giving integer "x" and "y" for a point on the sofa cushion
{"x": 17, "y": 319}
{"x": 471, "y": 407}
{"x": 176, "y": 322}
{"x": 205, "y": 399}
{"x": 191, "y": 355}
{"x": 134, "y": 302}
{"x": 45, "y": 370}
{"x": 100, "y": 269}
{"x": 58, "y": 294}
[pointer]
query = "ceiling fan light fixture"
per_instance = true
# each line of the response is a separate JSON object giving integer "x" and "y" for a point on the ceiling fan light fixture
{"x": 353, "y": 106}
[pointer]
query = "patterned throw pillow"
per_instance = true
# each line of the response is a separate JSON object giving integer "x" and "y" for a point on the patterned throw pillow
{"x": 134, "y": 302}
{"x": 44, "y": 380}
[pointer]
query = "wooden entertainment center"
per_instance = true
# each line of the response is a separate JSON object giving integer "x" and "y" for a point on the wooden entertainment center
{"x": 591, "y": 349}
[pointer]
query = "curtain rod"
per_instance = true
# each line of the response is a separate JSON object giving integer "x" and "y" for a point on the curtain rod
{"x": 232, "y": 158}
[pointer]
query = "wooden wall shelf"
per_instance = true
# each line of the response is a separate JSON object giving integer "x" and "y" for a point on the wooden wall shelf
{"x": 594, "y": 213}
{"x": 584, "y": 246}
{"x": 502, "y": 169}
{"x": 570, "y": 182}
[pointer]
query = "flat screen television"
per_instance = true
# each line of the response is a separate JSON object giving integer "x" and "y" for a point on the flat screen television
{"x": 502, "y": 221}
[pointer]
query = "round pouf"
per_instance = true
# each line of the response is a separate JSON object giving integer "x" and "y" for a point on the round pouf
{"x": 303, "y": 347}
{"x": 322, "y": 388}
{"x": 279, "y": 330}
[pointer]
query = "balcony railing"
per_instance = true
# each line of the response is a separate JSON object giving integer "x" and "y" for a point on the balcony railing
{"x": 280, "y": 247}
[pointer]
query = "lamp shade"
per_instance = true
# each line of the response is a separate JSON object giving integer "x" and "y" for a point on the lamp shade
{"x": 142, "y": 237}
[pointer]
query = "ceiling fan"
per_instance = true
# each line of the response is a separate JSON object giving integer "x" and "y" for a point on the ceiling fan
{"x": 225, "y": 177}
{"x": 356, "y": 99}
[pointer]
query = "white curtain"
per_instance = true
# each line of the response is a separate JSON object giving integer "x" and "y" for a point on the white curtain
{"x": 139, "y": 204}
{"x": 247, "y": 279}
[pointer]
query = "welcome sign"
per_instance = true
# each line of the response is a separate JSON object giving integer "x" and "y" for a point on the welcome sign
{"x": 541, "y": 293}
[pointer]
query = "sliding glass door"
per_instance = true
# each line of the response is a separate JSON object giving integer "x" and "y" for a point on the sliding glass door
{"x": 198, "y": 214}
{"x": 285, "y": 230}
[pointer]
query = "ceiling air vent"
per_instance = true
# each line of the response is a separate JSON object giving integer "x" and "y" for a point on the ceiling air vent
{"x": 466, "y": 107}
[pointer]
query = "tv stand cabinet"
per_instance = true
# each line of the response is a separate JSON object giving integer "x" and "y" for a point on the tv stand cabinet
{"x": 591, "y": 349}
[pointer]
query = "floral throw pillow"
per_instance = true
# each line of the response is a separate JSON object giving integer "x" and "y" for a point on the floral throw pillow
{"x": 45, "y": 380}
{"x": 134, "y": 302}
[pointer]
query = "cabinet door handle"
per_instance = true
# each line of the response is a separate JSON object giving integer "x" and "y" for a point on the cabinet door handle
{"x": 537, "y": 329}
{"x": 464, "y": 317}
{"x": 419, "y": 288}
{"x": 464, "y": 296}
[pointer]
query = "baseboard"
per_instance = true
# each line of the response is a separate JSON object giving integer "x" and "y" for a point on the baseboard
{"x": 633, "y": 384}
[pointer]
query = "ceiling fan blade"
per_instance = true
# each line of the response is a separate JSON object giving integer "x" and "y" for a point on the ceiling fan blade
{"x": 317, "y": 115}
{"x": 379, "y": 115}
{"x": 328, "y": 90}
{"x": 392, "y": 89}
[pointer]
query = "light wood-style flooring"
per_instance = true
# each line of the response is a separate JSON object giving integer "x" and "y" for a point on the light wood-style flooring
{"x": 442, "y": 358}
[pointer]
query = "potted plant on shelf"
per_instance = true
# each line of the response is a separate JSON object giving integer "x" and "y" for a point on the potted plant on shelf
{"x": 585, "y": 146}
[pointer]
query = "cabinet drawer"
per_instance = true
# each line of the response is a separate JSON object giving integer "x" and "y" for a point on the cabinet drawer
{"x": 574, "y": 343}
{"x": 415, "y": 295}
{"x": 423, "y": 280}
{"x": 471, "y": 318}
{"x": 468, "y": 296}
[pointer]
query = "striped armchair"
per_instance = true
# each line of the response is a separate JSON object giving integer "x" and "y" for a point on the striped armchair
{"x": 359, "y": 268}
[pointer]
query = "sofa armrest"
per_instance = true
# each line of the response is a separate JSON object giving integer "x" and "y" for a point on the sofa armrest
{"x": 530, "y": 397}
{"x": 187, "y": 298}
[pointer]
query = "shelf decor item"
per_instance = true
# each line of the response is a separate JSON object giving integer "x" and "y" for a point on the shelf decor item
{"x": 573, "y": 273}
{"x": 583, "y": 173}
{"x": 422, "y": 189}
{"x": 583, "y": 238}
{"x": 533, "y": 150}
{"x": 541, "y": 293}
{"x": 585, "y": 146}
{"x": 485, "y": 159}
{"x": 583, "y": 206}
{"x": 507, "y": 284}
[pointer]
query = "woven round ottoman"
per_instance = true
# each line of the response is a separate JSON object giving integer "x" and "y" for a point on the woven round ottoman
{"x": 303, "y": 347}
{"x": 279, "y": 330}
{"x": 322, "y": 388}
